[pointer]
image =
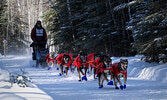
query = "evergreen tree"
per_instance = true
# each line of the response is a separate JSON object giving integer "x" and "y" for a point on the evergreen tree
{"x": 90, "y": 25}
{"x": 3, "y": 23}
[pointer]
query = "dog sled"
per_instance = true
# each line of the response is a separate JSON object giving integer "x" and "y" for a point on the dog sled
{"x": 39, "y": 55}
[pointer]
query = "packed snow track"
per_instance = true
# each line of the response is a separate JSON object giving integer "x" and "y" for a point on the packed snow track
{"x": 145, "y": 82}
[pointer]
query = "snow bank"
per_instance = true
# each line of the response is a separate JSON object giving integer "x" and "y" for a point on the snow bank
{"x": 155, "y": 73}
{"x": 10, "y": 97}
{"x": 4, "y": 75}
{"x": 13, "y": 64}
{"x": 145, "y": 71}
{"x": 19, "y": 93}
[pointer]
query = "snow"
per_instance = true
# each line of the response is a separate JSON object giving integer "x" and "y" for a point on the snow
{"x": 124, "y": 5}
{"x": 13, "y": 64}
{"x": 129, "y": 27}
{"x": 156, "y": 31}
{"x": 145, "y": 81}
{"x": 158, "y": 39}
{"x": 155, "y": 73}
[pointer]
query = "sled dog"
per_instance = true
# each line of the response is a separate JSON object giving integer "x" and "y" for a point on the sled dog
{"x": 120, "y": 71}
{"x": 103, "y": 70}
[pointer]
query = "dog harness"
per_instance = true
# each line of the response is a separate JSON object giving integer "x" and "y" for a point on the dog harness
{"x": 117, "y": 70}
{"x": 91, "y": 59}
{"x": 101, "y": 68}
{"x": 97, "y": 62}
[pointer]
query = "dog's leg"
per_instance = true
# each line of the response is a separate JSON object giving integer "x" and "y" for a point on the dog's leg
{"x": 125, "y": 79}
{"x": 78, "y": 70}
{"x": 55, "y": 64}
{"x": 61, "y": 69}
{"x": 99, "y": 79}
{"x": 49, "y": 64}
{"x": 82, "y": 72}
{"x": 102, "y": 79}
{"x": 105, "y": 77}
{"x": 71, "y": 68}
{"x": 115, "y": 83}
{"x": 118, "y": 79}
{"x": 74, "y": 69}
{"x": 85, "y": 71}
{"x": 59, "y": 65}
{"x": 91, "y": 69}
{"x": 111, "y": 77}
{"x": 66, "y": 69}
{"x": 94, "y": 73}
{"x": 52, "y": 64}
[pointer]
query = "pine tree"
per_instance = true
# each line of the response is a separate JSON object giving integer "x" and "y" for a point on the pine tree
{"x": 148, "y": 24}
{"x": 3, "y": 23}
{"x": 90, "y": 25}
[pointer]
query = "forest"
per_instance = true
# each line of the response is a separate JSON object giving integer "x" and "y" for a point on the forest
{"x": 112, "y": 27}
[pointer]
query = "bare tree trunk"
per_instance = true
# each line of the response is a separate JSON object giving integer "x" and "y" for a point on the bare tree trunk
{"x": 20, "y": 26}
{"x": 29, "y": 16}
{"x": 8, "y": 22}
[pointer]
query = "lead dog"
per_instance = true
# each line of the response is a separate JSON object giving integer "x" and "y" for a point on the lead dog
{"x": 120, "y": 71}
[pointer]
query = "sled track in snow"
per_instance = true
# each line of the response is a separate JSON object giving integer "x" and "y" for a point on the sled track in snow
{"x": 145, "y": 81}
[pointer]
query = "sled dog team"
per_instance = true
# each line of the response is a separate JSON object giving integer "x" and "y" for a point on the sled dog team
{"x": 101, "y": 64}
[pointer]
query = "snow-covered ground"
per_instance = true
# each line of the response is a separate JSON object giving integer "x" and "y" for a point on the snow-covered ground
{"x": 145, "y": 81}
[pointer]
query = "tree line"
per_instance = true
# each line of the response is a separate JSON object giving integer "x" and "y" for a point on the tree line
{"x": 113, "y": 27}
{"x": 17, "y": 18}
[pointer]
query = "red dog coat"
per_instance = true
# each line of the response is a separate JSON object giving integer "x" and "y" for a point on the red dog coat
{"x": 90, "y": 58}
{"x": 59, "y": 59}
{"x": 78, "y": 62}
{"x": 97, "y": 62}
{"x": 101, "y": 68}
{"x": 117, "y": 70}
{"x": 48, "y": 59}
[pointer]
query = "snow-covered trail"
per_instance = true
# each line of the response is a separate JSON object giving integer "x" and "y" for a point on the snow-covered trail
{"x": 145, "y": 81}
{"x": 13, "y": 64}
